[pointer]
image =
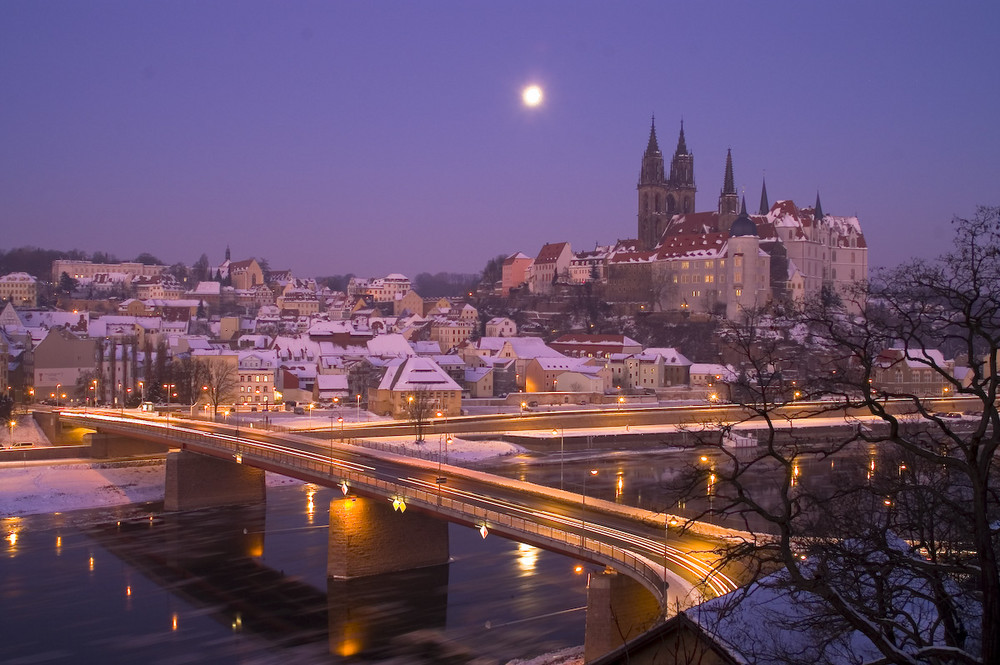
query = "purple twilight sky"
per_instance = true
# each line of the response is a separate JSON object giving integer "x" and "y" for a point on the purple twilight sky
{"x": 376, "y": 137}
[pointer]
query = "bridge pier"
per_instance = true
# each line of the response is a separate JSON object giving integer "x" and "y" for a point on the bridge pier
{"x": 103, "y": 446}
{"x": 198, "y": 481}
{"x": 618, "y": 609}
{"x": 369, "y": 537}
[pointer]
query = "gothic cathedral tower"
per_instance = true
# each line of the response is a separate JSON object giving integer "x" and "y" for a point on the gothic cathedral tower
{"x": 681, "y": 189}
{"x": 653, "y": 193}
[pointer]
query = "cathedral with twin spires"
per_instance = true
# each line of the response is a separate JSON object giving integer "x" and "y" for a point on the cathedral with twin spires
{"x": 726, "y": 259}
{"x": 718, "y": 261}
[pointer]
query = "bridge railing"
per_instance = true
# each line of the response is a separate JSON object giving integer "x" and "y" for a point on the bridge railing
{"x": 651, "y": 574}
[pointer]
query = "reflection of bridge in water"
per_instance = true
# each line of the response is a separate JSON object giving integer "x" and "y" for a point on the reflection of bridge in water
{"x": 370, "y": 536}
{"x": 212, "y": 560}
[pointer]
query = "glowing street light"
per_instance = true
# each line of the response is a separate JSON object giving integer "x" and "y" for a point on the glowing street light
{"x": 562, "y": 452}
{"x": 583, "y": 509}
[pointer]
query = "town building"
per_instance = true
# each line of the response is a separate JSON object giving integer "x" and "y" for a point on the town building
{"x": 20, "y": 289}
{"x": 89, "y": 270}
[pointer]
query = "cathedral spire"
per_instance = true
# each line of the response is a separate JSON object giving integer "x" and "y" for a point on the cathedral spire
{"x": 818, "y": 211}
{"x": 682, "y": 148}
{"x": 729, "y": 202}
{"x": 728, "y": 184}
{"x": 743, "y": 207}
{"x": 764, "y": 207}
{"x": 653, "y": 146}
{"x": 227, "y": 252}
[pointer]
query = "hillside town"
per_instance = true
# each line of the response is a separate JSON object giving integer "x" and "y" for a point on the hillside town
{"x": 631, "y": 321}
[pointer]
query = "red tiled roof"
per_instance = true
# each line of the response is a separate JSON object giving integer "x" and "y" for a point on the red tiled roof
{"x": 550, "y": 252}
{"x": 691, "y": 223}
{"x": 690, "y": 244}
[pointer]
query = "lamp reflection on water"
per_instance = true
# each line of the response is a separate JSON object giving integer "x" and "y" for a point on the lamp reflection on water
{"x": 310, "y": 502}
{"x": 527, "y": 558}
{"x": 13, "y": 526}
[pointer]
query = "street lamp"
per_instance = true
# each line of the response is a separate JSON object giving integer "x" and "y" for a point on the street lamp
{"x": 12, "y": 423}
{"x": 562, "y": 452}
{"x": 358, "y": 415}
{"x": 58, "y": 386}
{"x": 169, "y": 387}
{"x": 621, "y": 401}
{"x": 583, "y": 510}
{"x": 340, "y": 419}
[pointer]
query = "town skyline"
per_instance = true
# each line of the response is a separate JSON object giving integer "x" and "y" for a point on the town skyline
{"x": 334, "y": 139}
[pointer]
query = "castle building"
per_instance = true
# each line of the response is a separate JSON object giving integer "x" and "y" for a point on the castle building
{"x": 727, "y": 260}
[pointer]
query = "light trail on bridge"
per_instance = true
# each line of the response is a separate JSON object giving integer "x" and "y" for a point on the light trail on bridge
{"x": 715, "y": 579}
{"x": 719, "y": 582}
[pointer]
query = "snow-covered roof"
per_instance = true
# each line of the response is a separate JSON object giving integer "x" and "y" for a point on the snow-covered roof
{"x": 207, "y": 289}
{"x": 670, "y": 355}
{"x": 332, "y": 382}
{"x": 415, "y": 374}
{"x": 473, "y": 374}
{"x": 392, "y": 344}
{"x": 713, "y": 369}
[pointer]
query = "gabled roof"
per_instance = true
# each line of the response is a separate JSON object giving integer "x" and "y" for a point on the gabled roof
{"x": 692, "y": 245}
{"x": 415, "y": 374}
{"x": 550, "y": 253}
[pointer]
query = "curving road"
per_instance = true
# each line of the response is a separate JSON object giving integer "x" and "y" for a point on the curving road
{"x": 632, "y": 540}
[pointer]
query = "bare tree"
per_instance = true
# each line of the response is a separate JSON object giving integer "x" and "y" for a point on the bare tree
{"x": 897, "y": 540}
{"x": 221, "y": 380}
{"x": 420, "y": 406}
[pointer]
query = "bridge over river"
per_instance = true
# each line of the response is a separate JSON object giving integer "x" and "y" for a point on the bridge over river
{"x": 393, "y": 507}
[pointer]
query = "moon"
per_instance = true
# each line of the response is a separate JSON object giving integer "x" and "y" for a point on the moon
{"x": 532, "y": 96}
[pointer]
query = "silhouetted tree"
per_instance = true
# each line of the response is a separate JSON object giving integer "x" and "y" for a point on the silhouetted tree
{"x": 67, "y": 284}
{"x": 901, "y": 548}
{"x": 148, "y": 259}
{"x": 200, "y": 269}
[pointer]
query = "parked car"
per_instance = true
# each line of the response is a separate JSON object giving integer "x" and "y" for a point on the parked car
{"x": 22, "y": 444}
{"x": 299, "y": 411}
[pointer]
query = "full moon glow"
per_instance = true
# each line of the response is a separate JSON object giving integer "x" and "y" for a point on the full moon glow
{"x": 532, "y": 95}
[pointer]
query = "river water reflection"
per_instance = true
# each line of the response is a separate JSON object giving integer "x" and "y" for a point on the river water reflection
{"x": 248, "y": 585}
{"x": 650, "y": 479}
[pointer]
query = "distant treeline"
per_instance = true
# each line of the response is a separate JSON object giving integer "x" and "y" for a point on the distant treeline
{"x": 38, "y": 262}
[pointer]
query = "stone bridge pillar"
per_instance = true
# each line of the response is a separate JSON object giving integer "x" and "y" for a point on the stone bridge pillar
{"x": 198, "y": 481}
{"x": 368, "y": 537}
{"x": 103, "y": 446}
{"x": 618, "y": 609}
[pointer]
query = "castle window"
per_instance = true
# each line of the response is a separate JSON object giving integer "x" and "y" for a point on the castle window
{"x": 709, "y": 264}
{"x": 685, "y": 265}
{"x": 739, "y": 292}
{"x": 709, "y": 279}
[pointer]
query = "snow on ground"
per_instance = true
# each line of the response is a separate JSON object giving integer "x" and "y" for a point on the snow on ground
{"x": 25, "y": 429}
{"x": 45, "y": 487}
{"x": 459, "y": 451}
{"x": 569, "y": 656}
